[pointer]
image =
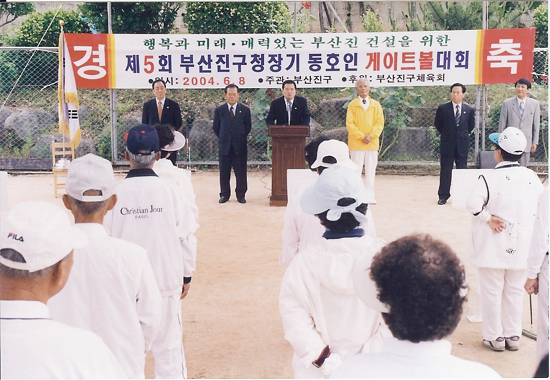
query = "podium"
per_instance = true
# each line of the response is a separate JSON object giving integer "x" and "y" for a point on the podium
{"x": 288, "y": 152}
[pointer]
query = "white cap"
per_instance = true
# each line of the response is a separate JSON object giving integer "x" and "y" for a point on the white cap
{"x": 90, "y": 172}
{"x": 41, "y": 232}
{"x": 177, "y": 144}
{"x": 511, "y": 140}
{"x": 364, "y": 285}
{"x": 332, "y": 185}
{"x": 333, "y": 148}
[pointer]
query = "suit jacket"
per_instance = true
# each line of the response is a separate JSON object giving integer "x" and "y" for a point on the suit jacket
{"x": 298, "y": 116}
{"x": 452, "y": 136}
{"x": 529, "y": 125}
{"x": 232, "y": 133}
{"x": 171, "y": 113}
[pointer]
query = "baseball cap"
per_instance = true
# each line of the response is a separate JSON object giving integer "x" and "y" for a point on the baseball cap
{"x": 332, "y": 185}
{"x": 511, "y": 140}
{"x": 41, "y": 232}
{"x": 90, "y": 172}
{"x": 364, "y": 285}
{"x": 142, "y": 139}
{"x": 335, "y": 148}
{"x": 177, "y": 144}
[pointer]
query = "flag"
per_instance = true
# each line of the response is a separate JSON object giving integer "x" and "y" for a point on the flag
{"x": 68, "y": 99}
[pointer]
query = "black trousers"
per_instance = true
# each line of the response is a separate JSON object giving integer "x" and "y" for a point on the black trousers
{"x": 446, "y": 173}
{"x": 238, "y": 163}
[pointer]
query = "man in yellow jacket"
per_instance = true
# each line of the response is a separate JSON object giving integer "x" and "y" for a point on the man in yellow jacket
{"x": 364, "y": 122}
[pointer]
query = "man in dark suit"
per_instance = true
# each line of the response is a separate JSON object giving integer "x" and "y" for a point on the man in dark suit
{"x": 162, "y": 110}
{"x": 454, "y": 121}
{"x": 289, "y": 109}
{"x": 232, "y": 124}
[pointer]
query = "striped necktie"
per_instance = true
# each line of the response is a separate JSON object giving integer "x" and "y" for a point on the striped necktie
{"x": 231, "y": 114}
{"x": 457, "y": 116}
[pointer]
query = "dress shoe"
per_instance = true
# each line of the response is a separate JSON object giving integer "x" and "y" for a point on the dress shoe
{"x": 241, "y": 200}
{"x": 223, "y": 199}
{"x": 441, "y": 201}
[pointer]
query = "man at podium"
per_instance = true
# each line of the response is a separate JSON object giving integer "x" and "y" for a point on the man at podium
{"x": 289, "y": 109}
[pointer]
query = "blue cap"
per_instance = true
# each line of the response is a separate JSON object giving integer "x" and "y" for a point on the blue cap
{"x": 142, "y": 139}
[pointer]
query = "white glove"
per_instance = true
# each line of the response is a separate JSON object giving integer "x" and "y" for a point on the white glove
{"x": 333, "y": 361}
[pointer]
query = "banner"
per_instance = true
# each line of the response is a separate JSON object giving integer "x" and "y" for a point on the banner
{"x": 69, "y": 123}
{"x": 313, "y": 60}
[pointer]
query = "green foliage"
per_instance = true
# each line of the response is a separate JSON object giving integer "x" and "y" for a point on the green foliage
{"x": 260, "y": 108}
{"x": 237, "y": 17}
{"x": 38, "y": 29}
{"x": 464, "y": 15}
{"x": 11, "y": 11}
{"x": 540, "y": 21}
{"x": 371, "y": 21}
{"x": 396, "y": 103}
{"x": 132, "y": 18}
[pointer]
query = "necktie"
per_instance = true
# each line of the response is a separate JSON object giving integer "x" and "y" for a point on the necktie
{"x": 159, "y": 109}
{"x": 457, "y": 116}
{"x": 288, "y": 109}
{"x": 231, "y": 114}
{"x": 364, "y": 101}
{"x": 521, "y": 109}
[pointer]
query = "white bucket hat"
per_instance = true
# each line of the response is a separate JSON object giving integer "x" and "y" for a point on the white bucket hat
{"x": 332, "y": 185}
{"x": 333, "y": 148}
{"x": 41, "y": 232}
{"x": 511, "y": 140}
{"x": 90, "y": 172}
{"x": 177, "y": 144}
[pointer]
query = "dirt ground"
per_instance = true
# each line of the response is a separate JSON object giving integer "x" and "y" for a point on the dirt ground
{"x": 232, "y": 327}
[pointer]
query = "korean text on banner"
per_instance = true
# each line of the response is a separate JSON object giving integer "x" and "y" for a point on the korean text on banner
{"x": 69, "y": 123}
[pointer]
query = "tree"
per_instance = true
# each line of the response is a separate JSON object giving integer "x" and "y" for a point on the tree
{"x": 132, "y": 18}
{"x": 371, "y": 21}
{"x": 10, "y": 11}
{"x": 234, "y": 18}
{"x": 38, "y": 29}
{"x": 540, "y": 21}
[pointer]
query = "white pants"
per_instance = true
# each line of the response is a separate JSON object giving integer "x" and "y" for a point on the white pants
{"x": 167, "y": 348}
{"x": 501, "y": 292}
{"x": 542, "y": 325}
{"x": 368, "y": 158}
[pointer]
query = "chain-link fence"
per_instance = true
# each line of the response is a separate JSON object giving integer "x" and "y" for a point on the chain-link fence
{"x": 29, "y": 121}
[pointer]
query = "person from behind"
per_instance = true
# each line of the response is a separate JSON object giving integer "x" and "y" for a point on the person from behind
{"x": 323, "y": 318}
{"x": 503, "y": 203}
{"x": 418, "y": 284}
{"x": 170, "y": 142}
{"x": 112, "y": 289}
{"x": 301, "y": 229}
{"x": 36, "y": 255}
{"x": 150, "y": 212}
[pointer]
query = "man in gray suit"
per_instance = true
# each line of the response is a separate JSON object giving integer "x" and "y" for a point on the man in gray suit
{"x": 523, "y": 113}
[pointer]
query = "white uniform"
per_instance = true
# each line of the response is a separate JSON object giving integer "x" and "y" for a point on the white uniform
{"x": 511, "y": 194}
{"x": 319, "y": 306}
{"x": 404, "y": 359}
{"x": 301, "y": 229}
{"x": 537, "y": 266}
{"x": 150, "y": 212}
{"x": 112, "y": 291}
{"x": 37, "y": 347}
{"x": 181, "y": 178}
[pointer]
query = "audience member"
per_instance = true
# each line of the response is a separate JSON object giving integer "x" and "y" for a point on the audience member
{"x": 150, "y": 212}
{"x": 504, "y": 204}
{"x": 112, "y": 290}
{"x": 418, "y": 284}
{"x": 36, "y": 254}
{"x": 323, "y": 318}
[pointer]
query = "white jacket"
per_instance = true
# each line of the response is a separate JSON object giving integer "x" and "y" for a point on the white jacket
{"x": 319, "y": 306}
{"x": 511, "y": 193}
{"x": 539, "y": 243}
{"x": 151, "y": 213}
{"x": 112, "y": 291}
